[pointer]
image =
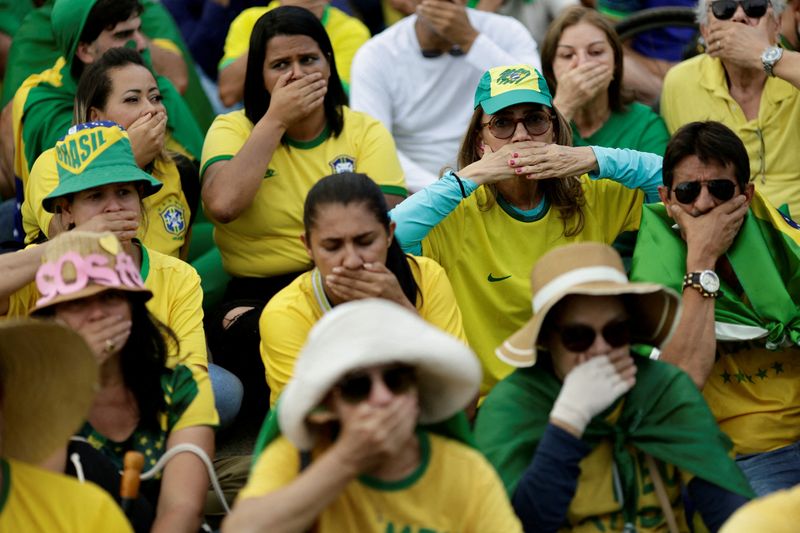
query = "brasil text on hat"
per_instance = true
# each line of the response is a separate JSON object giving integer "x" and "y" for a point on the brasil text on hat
{"x": 93, "y": 154}
{"x": 372, "y": 332}
{"x": 592, "y": 269}
{"x": 501, "y": 87}
{"x": 48, "y": 378}
{"x": 78, "y": 264}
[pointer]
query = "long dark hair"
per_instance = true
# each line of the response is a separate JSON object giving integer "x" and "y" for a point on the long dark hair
{"x": 353, "y": 188}
{"x": 290, "y": 20}
{"x": 96, "y": 85}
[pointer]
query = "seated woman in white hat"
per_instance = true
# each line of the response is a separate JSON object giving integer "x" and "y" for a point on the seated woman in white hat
{"x": 587, "y": 436}
{"x": 47, "y": 382}
{"x": 345, "y": 451}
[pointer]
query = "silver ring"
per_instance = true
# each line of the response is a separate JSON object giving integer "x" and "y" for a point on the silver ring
{"x": 110, "y": 345}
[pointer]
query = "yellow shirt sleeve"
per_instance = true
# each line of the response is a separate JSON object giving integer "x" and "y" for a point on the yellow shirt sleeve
{"x": 43, "y": 180}
{"x": 489, "y": 509}
{"x": 439, "y": 306}
{"x": 237, "y": 42}
{"x": 278, "y": 466}
{"x": 347, "y": 34}
{"x": 378, "y": 156}
{"x": 201, "y": 410}
{"x": 225, "y": 138}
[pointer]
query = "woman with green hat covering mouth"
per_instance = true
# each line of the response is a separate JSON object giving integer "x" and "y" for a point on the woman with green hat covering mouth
{"x": 519, "y": 191}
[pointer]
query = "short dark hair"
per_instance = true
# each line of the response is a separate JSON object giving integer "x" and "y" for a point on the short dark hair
{"x": 104, "y": 15}
{"x": 353, "y": 188}
{"x": 709, "y": 141}
{"x": 290, "y": 20}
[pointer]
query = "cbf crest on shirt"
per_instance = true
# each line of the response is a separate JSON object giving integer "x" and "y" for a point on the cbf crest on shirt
{"x": 343, "y": 163}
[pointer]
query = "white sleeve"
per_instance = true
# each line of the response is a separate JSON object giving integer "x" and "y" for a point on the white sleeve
{"x": 369, "y": 90}
{"x": 511, "y": 43}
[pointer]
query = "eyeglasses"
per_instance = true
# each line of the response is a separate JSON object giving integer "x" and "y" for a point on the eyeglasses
{"x": 536, "y": 123}
{"x": 580, "y": 337}
{"x": 355, "y": 388}
{"x": 688, "y": 191}
{"x": 724, "y": 9}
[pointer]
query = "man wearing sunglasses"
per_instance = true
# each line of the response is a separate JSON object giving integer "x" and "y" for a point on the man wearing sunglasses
{"x": 747, "y": 82}
{"x": 412, "y": 77}
{"x": 735, "y": 258}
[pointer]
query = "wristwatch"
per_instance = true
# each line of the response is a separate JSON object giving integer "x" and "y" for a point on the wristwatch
{"x": 706, "y": 282}
{"x": 770, "y": 57}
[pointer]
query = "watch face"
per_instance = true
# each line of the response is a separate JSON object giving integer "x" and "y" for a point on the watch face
{"x": 709, "y": 281}
{"x": 772, "y": 54}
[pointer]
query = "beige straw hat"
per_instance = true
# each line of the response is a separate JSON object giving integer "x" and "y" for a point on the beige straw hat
{"x": 78, "y": 264}
{"x": 48, "y": 378}
{"x": 372, "y": 332}
{"x": 591, "y": 268}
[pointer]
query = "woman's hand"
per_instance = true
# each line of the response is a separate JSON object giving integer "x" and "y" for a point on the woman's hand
{"x": 148, "y": 135}
{"x": 372, "y": 434}
{"x": 374, "y": 280}
{"x": 105, "y": 336}
{"x": 541, "y": 161}
{"x": 590, "y": 388}
{"x": 580, "y": 85}
{"x": 123, "y": 224}
{"x": 495, "y": 166}
{"x": 292, "y": 101}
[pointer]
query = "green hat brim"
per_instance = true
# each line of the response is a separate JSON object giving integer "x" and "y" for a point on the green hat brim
{"x": 520, "y": 96}
{"x": 98, "y": 177}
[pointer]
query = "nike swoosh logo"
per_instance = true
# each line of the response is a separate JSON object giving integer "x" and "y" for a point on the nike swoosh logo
{"x": 493, "y": 279}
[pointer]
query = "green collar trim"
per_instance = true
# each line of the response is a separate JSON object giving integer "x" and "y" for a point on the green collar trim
{"x": 400, "y": 484}
{"x": 326, "y": 13}
{"x": 785, "y": 44}
{"x": 531, "y": 215}
{"x": 145, "y": 269}
{"x": 5, "y": 489}
{"x": 319, "y": 291}
{"x": 313, "y": 143}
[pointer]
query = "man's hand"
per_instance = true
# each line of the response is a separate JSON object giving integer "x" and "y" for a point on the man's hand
{"x": 372, "y": 281}
{"x": 580, "y": 85}
{"x": 293, "y": 101}
{"x": 708, "y": 236}
{"x": 372, "y": 434}
{"x": 449, "y": 21}
{"x": 740, "y": 44}
{"x": 148, "y": 135}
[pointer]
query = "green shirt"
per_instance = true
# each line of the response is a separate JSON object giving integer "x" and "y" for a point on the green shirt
{"x": 637, "y": 128}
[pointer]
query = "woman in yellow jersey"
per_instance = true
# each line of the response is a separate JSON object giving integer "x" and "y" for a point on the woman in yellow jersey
{"x": 259, "y": 163}
{"x": 590, "y": 437}
{"x": 369, "y": 435}
{"x": 89, "y": 283}
{"x": 350, "y": 238}
{"x": 489, "y": 221}
{"x": 119, "y": 88}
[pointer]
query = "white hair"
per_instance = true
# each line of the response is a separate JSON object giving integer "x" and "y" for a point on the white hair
{"x": 701, "y": 11}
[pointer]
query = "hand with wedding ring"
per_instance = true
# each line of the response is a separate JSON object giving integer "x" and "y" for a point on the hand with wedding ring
{"x": 105, "y": 336}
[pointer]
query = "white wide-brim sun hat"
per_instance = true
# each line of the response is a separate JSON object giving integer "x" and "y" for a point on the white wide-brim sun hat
{"x": 373, "y": 332}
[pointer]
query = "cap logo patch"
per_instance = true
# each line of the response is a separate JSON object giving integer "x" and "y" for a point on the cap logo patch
{"x": 76, "y": 153}
{"x": 513, "y": 76}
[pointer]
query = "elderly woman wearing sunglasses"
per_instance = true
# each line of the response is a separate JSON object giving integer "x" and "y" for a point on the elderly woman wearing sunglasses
{"x": 750, "y": 84}
{"x": 489, "y": 220}
{"x": 587, "y": 436}
{"x": 345, "y": 451}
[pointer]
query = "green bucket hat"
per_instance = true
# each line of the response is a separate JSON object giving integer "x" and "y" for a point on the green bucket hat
{"x": 95, "y": 154}
{"x": 501, "y": 87}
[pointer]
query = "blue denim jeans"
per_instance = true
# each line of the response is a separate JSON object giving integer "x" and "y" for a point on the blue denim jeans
{"x": 772, "y": 471}
{"x": 228, "y": 393}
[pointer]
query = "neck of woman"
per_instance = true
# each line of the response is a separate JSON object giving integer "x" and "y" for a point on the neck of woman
{"x": 521, "y": 192}
{"x": 310, "y": 128}
{"x": 591, "y": 117}
{"x": 402, "y": 464}
{"x": 111, "y": 373}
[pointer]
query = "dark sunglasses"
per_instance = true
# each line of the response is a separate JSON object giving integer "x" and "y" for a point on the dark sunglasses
{"x": 688, "y": 191}
{"x": 536, "y": 123}
{"x": 580, "y": 337}
{"x": 355, "y": 388}
{"x": 455, "y": 51}
{"x": 724, "y": 9}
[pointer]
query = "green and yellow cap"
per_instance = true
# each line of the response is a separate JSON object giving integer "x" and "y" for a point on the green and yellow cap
{"x": 93, "y": 154}
{"x": 501, "y": 87}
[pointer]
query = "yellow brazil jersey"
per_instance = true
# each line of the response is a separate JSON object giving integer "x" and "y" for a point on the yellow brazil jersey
{"x": 453, "y": 489}
{"x": 290, "y": 315}
{"x": 265, "y": 240}
{"x": 488, "y": 253}
{"x": 34, "y": 500}
{"x": 177, "y": 302}
{"x": 166, "y": 213}
{"x": 346, "y": 33}
{"x": 754, "y": 394}
{"x": 697, "y": 90}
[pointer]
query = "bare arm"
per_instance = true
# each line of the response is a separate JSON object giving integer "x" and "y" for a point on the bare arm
{"x": 184, "y": 484}
{"x": 170, "y": 64}
{"x": 231, "y": 81}
{"x": 17, "y": 270}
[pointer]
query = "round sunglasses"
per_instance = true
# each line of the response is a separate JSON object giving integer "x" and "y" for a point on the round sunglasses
{"x": 724, "y": 9}
{"x": 688, "y": 191}
{"x": 580, "y": 337}
{"x": 356, "y": 387}
{"x": 536, "y": 123}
